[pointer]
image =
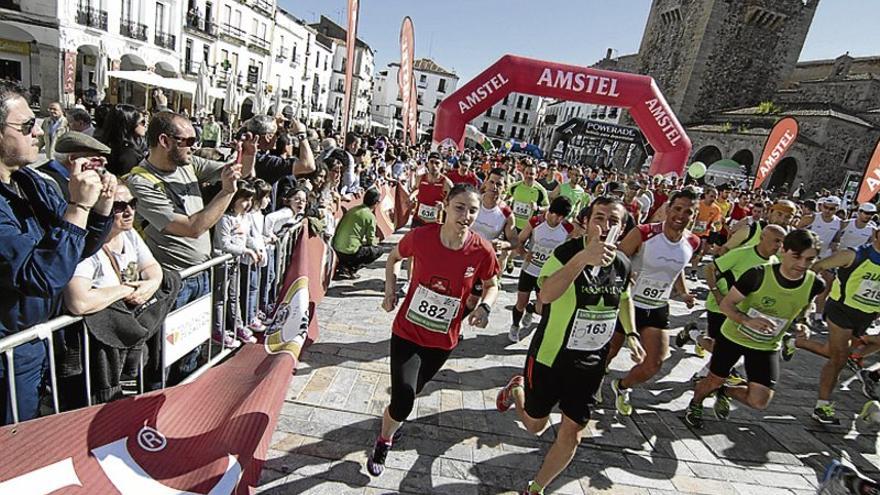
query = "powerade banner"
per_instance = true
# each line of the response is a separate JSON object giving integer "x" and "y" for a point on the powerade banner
{"x": 405, "y": 78}
{"x": 871, "y": 180}
{"x": 602, "y": 130}
{"x": 636, "y": 93}
{"x": 351, "y": 42}
{"x": 781, "y": 138}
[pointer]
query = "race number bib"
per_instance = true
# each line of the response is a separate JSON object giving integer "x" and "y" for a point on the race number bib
{"x": 431, "y": 310}
{"x": 868, "y": 293}
{"x": 521, "y": 209}
{"x": 591, "y": 329}
{"x": 700, "y": 227}
{"x": 779, "y": 325}
{"x": 428, "y": 213}
{"x": 540, "y": 255}
{"x": 653, "y": 293}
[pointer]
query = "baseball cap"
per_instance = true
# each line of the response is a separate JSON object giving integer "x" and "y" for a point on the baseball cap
{"x": 542, "y": 165}
{"x": 868, "y": 207}
{"x": 830, "y": 200}
{"x": 434, "y": 156}
{"x": 615, "y": 187}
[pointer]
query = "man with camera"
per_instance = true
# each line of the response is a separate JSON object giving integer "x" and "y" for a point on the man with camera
{"x": 72, "y": 149}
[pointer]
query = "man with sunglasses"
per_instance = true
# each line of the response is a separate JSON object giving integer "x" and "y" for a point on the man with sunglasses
{"x": 74, "y": 149}
{"x": 42, "y": 239}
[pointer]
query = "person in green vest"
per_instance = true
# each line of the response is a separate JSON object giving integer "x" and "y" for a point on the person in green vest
{"x": 749, "y": 233}
{"x": 573, "y": 190}
{"x": 763, "y": 304}
{"x": 211, "y": 133}
{"x": 720, "y": 277}
{"x": 355, "y": 240}
{"x": 528, "y": 197}
{"x": 852, "y": 306}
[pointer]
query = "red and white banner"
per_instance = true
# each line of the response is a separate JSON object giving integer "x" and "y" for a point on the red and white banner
{"x": 781, "y": 138}
{"x": 405, "y": 78}
{"x": 413, "y": 115}
{"x": 637, "y": 93}
{"x": 210, "y": 436}
{"x": 351, "y": 43}
{"x": 69, "y": 72}
{"x": 871, "y": 180}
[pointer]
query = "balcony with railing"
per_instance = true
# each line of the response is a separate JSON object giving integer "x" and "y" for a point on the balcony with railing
{"x": 197, "y": 24}
{"x": 281, "y": 55}
{"x": 264, "y": 6}
{"x": 259, "y": 43}
{"x": 165, "y": 40}
{"x": 133, "y": 30}
{"x": 91, "y": 17}
{"x": 232, "y": 32}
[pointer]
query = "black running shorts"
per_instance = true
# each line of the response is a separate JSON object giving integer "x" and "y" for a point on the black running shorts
{"x": 762, "y": 367}
{"x": 848, "y": 318}
{"x": 572, "y": 387}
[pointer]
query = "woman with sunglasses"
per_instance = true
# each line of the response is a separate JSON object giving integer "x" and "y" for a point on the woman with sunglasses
{"x": 124, "y": 132}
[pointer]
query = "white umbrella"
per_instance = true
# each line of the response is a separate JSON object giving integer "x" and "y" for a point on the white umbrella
{"x": 259, "y": 104}
{"x": 230, "y": 103}
{"x": 102, "y": 81}
{"x": 200, "y": 100}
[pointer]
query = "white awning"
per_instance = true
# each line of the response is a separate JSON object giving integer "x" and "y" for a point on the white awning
{"x": 218, "y": 93}
{"x": 378, "y": 125}
{"x": 152, "y": 79}
{"x": 320, "y": 115}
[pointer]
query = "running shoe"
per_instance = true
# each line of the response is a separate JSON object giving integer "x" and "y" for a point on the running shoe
{"x": 397, "y": 434}
{"x": 528, "y": 318}
{"x": 841, "y": 477}
{"x": 734, "y": 379}
{"x": 227, "y": 339}
{"x": 621, "y": 398}
{"x": 699, "y": 351}
{"x": 504, "y": 399}
{"x": 788, "y": 347}
{"x": 684, "y": 336}
{"x": 245, "y": 335}
{"x": 693, "y": 416}
{"x": 721, "y": 408}
{"x": 869, "y": 386}
{"x": 529, "y": 491}
{"x": 870, "y": 412}
{"x": 509, "y": 268}
{"x": 817, "y": 323}
{"x": 513, "y": 333}
{"x": 825, "y": 414}
{"x": 854, "y": 362}
{"x": 376, "y": 461}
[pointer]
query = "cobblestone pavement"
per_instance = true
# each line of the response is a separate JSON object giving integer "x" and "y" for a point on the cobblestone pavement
{"x": 456, "y": 442}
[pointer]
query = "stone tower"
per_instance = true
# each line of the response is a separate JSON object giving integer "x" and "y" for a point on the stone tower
{"x": 713, "y": 54}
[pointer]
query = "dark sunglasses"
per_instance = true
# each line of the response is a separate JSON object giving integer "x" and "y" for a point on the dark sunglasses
{"x": 184, "y": 142}
{"x": 122, "y": 206}
{"x": 26, "y": 127}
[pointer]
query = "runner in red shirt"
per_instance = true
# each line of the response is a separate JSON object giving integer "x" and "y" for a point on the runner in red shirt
{"x": 464, "y": 174}
{"x": 428, "y": 196}
{"x": 450, "y": 258}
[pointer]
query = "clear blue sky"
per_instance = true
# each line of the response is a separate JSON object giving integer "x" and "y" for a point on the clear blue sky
{"x": 468, "y": 35}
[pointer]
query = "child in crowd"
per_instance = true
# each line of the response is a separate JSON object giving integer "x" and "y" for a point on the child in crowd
{"x": 260, "y": 274}
{"x": 231, "y": 236}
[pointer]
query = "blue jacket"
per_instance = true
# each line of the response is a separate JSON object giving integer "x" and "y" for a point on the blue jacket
{"x": 39, "y": 252}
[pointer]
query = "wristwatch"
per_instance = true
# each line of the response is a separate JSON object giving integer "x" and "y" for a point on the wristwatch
{"x": 485, "y": 307}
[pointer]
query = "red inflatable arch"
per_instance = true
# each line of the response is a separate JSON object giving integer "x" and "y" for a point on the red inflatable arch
{"x": 636, "y": 93}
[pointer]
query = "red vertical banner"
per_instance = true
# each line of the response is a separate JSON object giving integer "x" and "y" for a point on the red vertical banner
{"x": 413, "y": 116}
{"x": 351, "y": 42}
{"x": 781, "y": 138}
{"x": 69, "y": 72}
{"x": 405, "y": 80}
{"x": 871, "y": 179}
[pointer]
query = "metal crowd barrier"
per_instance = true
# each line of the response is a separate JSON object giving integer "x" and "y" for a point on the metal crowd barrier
{"x": 218, "y": 268}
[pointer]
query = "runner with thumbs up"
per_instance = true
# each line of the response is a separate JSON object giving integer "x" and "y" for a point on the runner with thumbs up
{"x": 566, "y": 360}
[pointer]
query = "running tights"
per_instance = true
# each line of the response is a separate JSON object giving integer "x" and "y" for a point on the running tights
{"x": 412, "y": 366}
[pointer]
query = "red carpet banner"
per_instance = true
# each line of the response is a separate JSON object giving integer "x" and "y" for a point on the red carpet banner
{"x": 871, "y": 180}
{"x": 781, "y": 138}
{"x": 207, "y": 437}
